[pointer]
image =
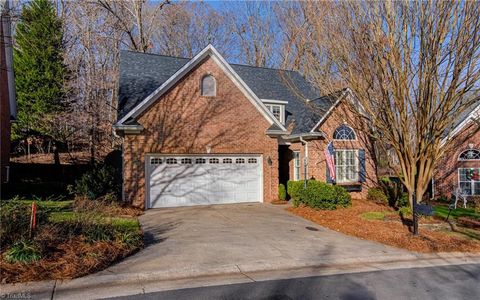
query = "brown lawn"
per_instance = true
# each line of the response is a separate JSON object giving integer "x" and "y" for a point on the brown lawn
{"x": 390, "y": 231}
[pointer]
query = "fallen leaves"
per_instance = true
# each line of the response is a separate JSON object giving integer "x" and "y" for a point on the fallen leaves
{"x": 390, "y": 231}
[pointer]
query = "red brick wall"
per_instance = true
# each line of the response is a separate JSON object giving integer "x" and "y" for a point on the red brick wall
{"x": 4, "y": 112}
{"x": 317, "y": 164}
{"x": 446, "y": 175}
{"x": 184, "y": 122}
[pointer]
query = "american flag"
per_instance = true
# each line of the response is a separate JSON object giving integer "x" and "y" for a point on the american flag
{"x": 329, "y": 152}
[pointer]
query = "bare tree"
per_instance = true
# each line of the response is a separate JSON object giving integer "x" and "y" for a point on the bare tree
{"x": 300, "y": 45}
{"x": 93, "y": 42}
{"x": 136, "y": 19}
{"x": 413, "y": 67}
{"x": 185, "y": 28}
{"x": 253, "y": 23}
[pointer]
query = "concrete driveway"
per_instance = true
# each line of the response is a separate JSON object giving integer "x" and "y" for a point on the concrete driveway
{"x": 217, "y": 239}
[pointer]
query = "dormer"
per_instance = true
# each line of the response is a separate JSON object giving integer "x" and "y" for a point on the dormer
{"x": 277, "y": 108}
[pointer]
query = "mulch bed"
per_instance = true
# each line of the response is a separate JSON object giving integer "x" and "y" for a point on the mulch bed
{"x": 349, "y": 221}
{"x": 70, "y": 259}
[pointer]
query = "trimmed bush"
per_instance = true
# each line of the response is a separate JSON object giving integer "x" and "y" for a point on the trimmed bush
{"x": 321, "y": 195}
{"x": 377, "y": 195}
{"x": 342, "y": 196}
{"x": 98, "y": 182}
{"x": 282, "y": 192}
{"x": 294, "y": 188}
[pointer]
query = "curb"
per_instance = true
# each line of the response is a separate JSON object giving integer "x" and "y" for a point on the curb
{"x": 88, "y": 284}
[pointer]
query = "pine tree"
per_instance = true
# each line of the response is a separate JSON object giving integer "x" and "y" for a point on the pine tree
{"x": 39, "y": 69}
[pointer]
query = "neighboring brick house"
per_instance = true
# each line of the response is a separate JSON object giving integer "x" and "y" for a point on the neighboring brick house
{"x": 7, "y": 89}
{"x": 460, "y": 165}
{"x": 202, "y": 131}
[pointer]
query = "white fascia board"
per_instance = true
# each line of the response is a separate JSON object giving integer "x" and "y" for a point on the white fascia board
{"x": 274, "y": 101}
{"x": 347, "y": 92}
{"x": 308, "y": 135}
{"x": 329, "y": 111}
{"x": 275, "y": 132}
{"x": 238, "y": 81}
{"x": 127, "y": 129}
{"x": 474, "y": 114}
{"x": 224, "y": 65}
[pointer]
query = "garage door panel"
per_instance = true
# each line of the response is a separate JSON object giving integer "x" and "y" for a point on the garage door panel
{"x": 203, "y": 180}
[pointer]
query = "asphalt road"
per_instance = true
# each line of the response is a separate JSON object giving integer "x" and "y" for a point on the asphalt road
{"x": 448, "y": 282}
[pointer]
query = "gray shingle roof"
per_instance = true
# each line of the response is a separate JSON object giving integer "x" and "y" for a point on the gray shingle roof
{"x": 462, "y": 117}
{"x": 141, "y": 74}
{"x": 466, "y": 113}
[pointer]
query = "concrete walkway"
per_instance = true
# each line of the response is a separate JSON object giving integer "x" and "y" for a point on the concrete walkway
{"x": 200, "y": 246}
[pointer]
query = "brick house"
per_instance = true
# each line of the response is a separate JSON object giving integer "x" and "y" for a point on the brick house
{"x": 460, "y": 165}
{"x": 7, "y": 89}
{"x": 202, "y": 131}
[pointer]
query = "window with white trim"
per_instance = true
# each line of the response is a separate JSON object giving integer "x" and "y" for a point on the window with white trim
{"x": 343, "y": 132}
{"x": 346, "y": 165}
{"x": 470, "y": 154}
{"x": 296, "y": 165}
{"x": 469, "y": 181}
{"x": 208, "y": 86}
{"x": 278, "y": 111}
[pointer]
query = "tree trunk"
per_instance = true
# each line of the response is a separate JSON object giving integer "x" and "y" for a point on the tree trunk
{"x": 414, "y": 215}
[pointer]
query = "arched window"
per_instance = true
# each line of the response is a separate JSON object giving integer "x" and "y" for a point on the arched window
{"x": 470, "y": 154}
{"x": 208, "y": 86}
{"x": 344, "y": 133}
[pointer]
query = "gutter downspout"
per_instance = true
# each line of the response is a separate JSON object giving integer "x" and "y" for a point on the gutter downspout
{"x": 305, "y": 161}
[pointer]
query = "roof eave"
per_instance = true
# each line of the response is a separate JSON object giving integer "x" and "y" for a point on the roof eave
{"x": 459, "y": 128}
{"x": 275, "y": 133}
{"x": 121, "y": 129}
{"x": 306, "y": 136}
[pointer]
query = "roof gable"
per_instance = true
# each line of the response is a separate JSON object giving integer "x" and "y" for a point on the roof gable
{"x": 209, "y": 51}
{"x": 335, "y": 99}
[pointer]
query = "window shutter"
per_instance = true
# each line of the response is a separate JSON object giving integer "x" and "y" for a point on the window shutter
{"x": 361, "y": 161}
{"x": 329, "y": 180}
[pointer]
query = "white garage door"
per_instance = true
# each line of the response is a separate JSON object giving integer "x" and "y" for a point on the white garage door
{"x": 203, "y": 180}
